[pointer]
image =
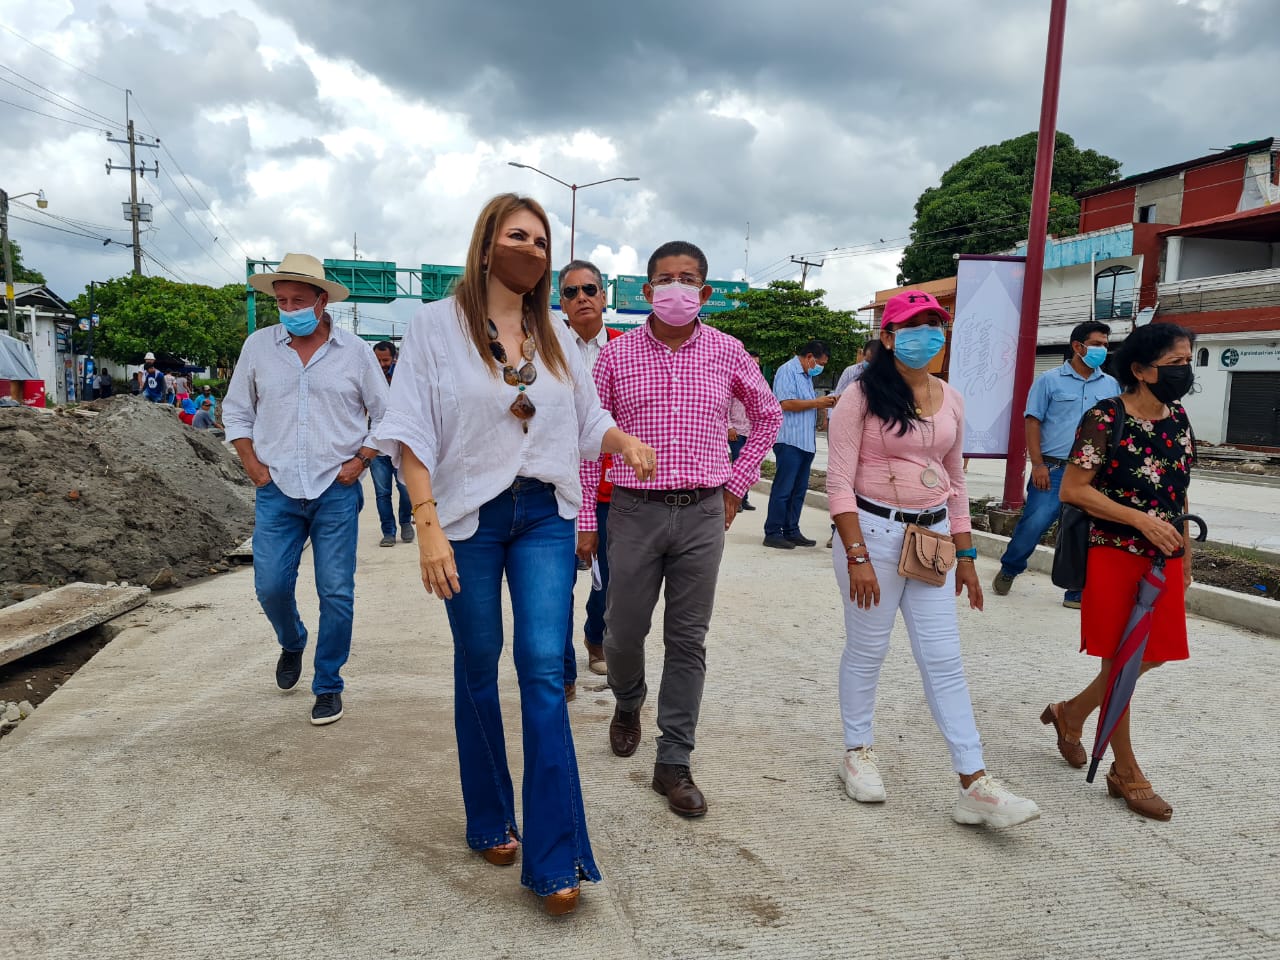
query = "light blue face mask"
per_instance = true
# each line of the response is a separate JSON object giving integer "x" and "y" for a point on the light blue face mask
{"x": 816, "y": 370}
{"x": 301, "y": 322}
{"x": 916, "y": 346}
{"x": 1094, "y": 357}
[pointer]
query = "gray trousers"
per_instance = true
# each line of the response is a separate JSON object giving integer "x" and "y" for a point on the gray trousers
{"x": 649, "y": 543}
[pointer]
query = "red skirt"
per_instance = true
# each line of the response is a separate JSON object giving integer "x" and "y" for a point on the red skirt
{"x": 1110, "y": 591}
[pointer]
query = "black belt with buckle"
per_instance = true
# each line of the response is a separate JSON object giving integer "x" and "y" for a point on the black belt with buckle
{"x": 673, "y": 498}
{"x": 927, "y": 519}
{"x": 1054, "y": 461}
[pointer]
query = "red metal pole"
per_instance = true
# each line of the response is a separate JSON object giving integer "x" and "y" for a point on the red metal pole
{"x": 1025, "y": 365}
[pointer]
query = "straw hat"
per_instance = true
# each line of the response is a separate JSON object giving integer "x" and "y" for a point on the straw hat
{"x": 301, "y": 268}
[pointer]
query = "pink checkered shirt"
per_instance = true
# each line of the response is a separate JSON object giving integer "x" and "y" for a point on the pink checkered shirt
{"x": 677, "y": 401}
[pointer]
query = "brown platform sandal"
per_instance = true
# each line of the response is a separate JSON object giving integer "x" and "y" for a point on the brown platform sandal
{"x": 1152, "y": 805}
{"x": 1068, "y": 746}
{"x": 561, "y": 902}
{"x": 502, "y": 856}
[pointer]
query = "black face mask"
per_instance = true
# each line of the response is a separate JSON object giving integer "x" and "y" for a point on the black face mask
{"x": 1172, "y": 382}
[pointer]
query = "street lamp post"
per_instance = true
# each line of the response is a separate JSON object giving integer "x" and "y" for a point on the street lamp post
{"x": 41, "y": 202}
{"x": 573, "y": 188}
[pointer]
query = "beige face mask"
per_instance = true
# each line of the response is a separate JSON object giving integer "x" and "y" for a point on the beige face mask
{"x": 518, "y": 267}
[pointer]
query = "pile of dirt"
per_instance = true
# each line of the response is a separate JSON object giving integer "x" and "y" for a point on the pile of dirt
{"x": 118, "y": 489}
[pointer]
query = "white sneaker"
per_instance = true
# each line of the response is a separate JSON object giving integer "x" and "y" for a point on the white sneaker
{"x": 860, "y": 774}
{"x": 989, "y": 801}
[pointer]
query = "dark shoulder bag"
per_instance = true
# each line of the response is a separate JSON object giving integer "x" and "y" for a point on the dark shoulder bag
{"x": 1071, "y": 551}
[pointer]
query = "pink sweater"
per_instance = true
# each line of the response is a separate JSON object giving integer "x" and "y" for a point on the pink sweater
{"x": 860, "y": 453}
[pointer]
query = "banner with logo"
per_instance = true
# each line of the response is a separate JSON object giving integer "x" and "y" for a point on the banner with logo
{"x": 984, "y": 346}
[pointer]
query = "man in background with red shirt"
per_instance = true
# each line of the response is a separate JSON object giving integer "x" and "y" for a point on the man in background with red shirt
{"x": 669, "y": 383}
{"x": 582, "y": 298}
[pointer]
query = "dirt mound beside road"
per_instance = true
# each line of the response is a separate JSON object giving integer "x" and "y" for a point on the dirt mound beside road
{"x": 119, "y": 489}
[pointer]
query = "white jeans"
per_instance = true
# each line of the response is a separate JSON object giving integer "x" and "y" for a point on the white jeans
{"x": 930, "y": 616}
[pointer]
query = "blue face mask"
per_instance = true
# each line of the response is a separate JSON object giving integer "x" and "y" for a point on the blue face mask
{"x": 916, "y": 346}
{"x": 816, "y": 369}
{"x": 1094, "y": 357}
{"x": 300, "y": 322}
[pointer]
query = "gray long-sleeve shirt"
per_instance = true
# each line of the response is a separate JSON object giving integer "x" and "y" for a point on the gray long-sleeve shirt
{"x": 305, "y": 422}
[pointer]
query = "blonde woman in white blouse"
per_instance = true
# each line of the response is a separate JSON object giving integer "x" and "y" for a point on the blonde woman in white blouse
{"x": 493, "y": 409}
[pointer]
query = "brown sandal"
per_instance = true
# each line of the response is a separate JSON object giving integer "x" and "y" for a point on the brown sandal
{"x": 501, "y": 855}
{"x": 1068, "y": 746}
{"x": 1138, "y": 796}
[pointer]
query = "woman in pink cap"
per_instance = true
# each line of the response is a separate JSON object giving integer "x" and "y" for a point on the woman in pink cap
{"x": 895, "y": 459}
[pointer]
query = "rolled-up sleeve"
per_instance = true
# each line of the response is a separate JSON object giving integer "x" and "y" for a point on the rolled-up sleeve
{"x": 844, "y": 447}
{"x": 412, "y": 413}
{"x": 240, "y": 405}
{"x": 764, "y": 416}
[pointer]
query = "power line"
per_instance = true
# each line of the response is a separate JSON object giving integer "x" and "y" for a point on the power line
{"x": 207, "y": 206}
{"x": 39, "y": 113}
{"x": 50, "y": 53}
{"x": 77, "y": 108}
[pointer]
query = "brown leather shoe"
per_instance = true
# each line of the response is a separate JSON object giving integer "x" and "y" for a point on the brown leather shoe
{"x": 1138, "y": 795}
{"x": 570, "y": 691}
{"x": 1070, "y": 747}
{"x": 595, "y": 659}
{"x": 674, "y": 782}
{"x": 624, "y": 731}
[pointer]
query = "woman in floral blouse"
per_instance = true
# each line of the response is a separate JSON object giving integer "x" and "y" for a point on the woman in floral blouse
{"x": 1131, "y": 496}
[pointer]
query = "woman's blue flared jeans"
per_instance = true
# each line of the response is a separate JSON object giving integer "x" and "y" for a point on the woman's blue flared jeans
{"x": 521, "y": 535}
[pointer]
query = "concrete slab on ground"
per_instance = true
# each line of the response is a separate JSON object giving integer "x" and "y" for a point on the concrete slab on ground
{"x": 60, "y": 613}
{"x": 170, "y": 802}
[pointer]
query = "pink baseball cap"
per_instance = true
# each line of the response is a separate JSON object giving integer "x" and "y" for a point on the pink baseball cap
{"x": 907, "y": 304}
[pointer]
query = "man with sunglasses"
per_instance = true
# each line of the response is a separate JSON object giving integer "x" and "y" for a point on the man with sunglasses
{"x": 582, "y": 297}
{"x": 669, "y": 383}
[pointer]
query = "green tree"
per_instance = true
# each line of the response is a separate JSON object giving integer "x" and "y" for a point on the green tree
{"x": 21, "y": 272}
{"x": 776, "y": 320}
{"x": 203, "y": 325}
{"x": 983, "y": 203}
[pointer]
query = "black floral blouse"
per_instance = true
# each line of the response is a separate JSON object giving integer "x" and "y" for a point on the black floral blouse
{"x": 1150, "y": 471}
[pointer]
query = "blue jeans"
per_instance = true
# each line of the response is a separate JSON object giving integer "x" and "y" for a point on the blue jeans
{"x": 593, "y": 629}
{"x": 383, "y": 473}
{"x": 281, "y": 527}
{"x": 522, "y": 535}
{"x": 1038, "y": 515}
{"x": 790, "y": 484}
{"x": 735, "y": 448}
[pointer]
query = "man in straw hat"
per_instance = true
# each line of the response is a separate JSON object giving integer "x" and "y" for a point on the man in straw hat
{"x": 301, "y": 410}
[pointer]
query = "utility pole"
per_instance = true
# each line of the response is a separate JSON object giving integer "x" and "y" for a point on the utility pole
{"x": 137, "y": 212}
{"x": 12, "y": 325}
{"x": 806, "y": 264}
{"x": 355, "y": 308}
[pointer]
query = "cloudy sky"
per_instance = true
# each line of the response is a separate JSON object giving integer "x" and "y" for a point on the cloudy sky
{"x": 290, "y": 125}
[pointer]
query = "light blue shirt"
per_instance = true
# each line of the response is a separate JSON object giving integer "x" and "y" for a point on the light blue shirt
{"x": 799, "y": 427}
{"x": 1059, "y": 398}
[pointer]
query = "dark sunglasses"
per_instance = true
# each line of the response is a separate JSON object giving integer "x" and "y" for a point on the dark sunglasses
{"x": 569, "y": 294}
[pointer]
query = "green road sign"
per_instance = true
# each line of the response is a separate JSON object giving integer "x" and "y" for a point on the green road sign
{"x": 370, "y": 281}
{"x": 629, "y": 297}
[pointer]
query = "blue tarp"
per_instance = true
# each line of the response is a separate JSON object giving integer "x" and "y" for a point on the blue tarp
{"x": 16, "y": 361}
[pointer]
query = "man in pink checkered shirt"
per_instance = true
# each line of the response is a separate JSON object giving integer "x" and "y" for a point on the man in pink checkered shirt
{"x": 670, "y": 383}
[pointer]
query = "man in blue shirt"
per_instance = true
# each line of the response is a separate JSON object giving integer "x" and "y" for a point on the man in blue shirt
{"x": 796, "y": 444}
{"x": 1058, "y": 399}
{"x": 153, "y": 385}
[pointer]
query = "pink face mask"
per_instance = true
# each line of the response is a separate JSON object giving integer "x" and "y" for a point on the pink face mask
{"x": 677, "y": 304}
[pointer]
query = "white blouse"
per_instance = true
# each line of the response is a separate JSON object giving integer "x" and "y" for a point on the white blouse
{"x": 448, "y": 407}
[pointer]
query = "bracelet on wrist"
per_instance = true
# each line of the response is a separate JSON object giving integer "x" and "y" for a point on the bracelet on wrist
{"x": 968, "y": 553}
{"x": 854, "y": 546}
{"x": 858, "y": 561}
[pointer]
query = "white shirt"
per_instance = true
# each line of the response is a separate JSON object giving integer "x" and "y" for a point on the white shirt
{"x": 305, "y": 422}
{"x": 451, "y": 409}
{"x": 590, "y": 349}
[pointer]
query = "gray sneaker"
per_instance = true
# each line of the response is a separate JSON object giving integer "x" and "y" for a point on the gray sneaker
{"x": 406, "y": 532}
{"x": 388, "y": 541}
{"x": 1002, "y": 583}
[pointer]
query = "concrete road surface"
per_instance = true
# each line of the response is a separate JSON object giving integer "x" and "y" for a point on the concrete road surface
{"x": 169, "y": 802}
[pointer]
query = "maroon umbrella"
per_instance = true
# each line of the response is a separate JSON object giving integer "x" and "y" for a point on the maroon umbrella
{"x": 1126, "y": 665}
